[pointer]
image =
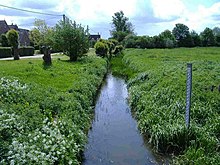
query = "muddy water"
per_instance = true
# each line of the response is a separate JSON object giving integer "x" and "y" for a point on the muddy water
{"x": 114, "y": 137}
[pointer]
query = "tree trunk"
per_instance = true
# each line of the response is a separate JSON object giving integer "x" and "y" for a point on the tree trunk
{"x": 16, "y": 54}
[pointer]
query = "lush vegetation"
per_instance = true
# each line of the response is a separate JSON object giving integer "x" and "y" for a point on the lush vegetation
{"x": 180, "y": 36}
{"x": 157, "y": 87}
{"x": 106, "y": 48}
{"x": 121, "y": 26}
{"x": 46, "y": 111}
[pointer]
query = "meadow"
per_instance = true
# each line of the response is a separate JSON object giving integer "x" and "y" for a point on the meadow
{"x": 46, "y": 111}
{"x": 157, "y": 92}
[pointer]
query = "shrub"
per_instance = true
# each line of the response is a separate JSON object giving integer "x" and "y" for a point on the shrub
{"x": 26, "y": 51}
{"x": 118, "y": 49}
{"x": 5, "y": 52}
{"x": 12, "y": 36}
{"x": 101, "y": 48}
{"x": 4, "y": 41}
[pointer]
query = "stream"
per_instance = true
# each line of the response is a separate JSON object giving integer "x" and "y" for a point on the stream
{"x": 114, "y": 137}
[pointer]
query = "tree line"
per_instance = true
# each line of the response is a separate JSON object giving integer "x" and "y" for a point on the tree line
{"x": 180, "y": 36}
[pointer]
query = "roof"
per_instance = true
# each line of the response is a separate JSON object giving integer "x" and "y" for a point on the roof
{"x": 15, "y": 27}
{"x": 3, "y": 27}
{"x": 94, "y": 36}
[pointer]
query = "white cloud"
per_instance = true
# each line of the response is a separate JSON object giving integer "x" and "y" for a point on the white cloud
{"x": 95, "y": 11}
{"x": 166, "y": 9}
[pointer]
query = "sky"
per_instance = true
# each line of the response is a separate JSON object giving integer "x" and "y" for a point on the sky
{"x": 149, "y": 17}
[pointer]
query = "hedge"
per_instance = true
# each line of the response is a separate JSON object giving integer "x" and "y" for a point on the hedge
{"x": 26, "y": 51}
{"x": 5, "y": 52}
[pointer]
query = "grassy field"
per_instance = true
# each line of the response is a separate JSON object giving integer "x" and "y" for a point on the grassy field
{"x": 157, "y": 86}
{"x": 46, "y": 111}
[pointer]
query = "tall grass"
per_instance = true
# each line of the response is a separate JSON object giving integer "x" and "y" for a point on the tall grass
{"x": 45, "y": 112}
{"x": 157, "y": 90}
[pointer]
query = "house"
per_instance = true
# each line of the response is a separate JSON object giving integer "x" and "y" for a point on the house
{"x": 24, "y": 39}
{"x": 95, "y": 37}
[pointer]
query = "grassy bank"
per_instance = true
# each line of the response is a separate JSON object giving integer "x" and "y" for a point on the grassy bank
{"x": 157, "y": 87}
{"x": 45, "y": 112}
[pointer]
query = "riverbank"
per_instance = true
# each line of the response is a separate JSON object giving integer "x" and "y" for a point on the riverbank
{"x": 156, "y": 80}
{"x": 46, "y": 111}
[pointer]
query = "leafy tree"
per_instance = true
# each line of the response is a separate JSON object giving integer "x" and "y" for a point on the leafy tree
{"x": 12, "y": 36}
{"x": 4, "y": 40}
{"x": 35, "y": 37}
{"x": 142, "y": 42}
{"x": 130, "y": 41}
{"x": 182, "y": 35}
{"x": 72, "y": 38}
{"x": 41, "y": 34}
{"x": 167, "y": 39}
{"x": 121, "y": 26}
{"x": 208, "y": 38}
{"x": 216, "y": 32}
{"x": 196, "y": 40}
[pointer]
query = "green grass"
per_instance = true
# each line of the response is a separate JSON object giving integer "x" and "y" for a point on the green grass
{"x": 46, "y": 111}
{"x": 157, "y": 87}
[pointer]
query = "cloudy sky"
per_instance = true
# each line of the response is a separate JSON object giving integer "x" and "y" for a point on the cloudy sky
{"x": 149, "y": 17}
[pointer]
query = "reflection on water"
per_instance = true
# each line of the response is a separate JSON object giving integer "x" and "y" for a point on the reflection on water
{"x": 114, "y": 137}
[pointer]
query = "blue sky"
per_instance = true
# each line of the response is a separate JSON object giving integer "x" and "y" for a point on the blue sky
{"x": 149, "y": 17}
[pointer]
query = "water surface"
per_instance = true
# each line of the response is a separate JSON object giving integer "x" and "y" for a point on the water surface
{"x": 114, "y": 137}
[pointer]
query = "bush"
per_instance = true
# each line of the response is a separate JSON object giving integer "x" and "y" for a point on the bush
{"x": 26, "y": 51}
{"x": 5, "y": 52}
{"x": 101, "y": 48}
{"x": 118, "y": 49}
{"x": 4, "y": 41}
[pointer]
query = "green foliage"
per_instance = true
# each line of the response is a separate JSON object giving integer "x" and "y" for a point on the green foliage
{"x": 207, "y": 37}
{"x": 71, "y": 38}
{"x": 5, "y": 52}
{"x": 101, "y": 48}
{"x": 4, "y": 41}
{"x": 118, "y": 49}
{"x": 12, "y": 36}
{"x": 45, "y": 115}
{"x": 156, "y": 82}
{"x": 41, "y": 34}
{"x": 26, "y": 51}
{"x": 121, "y": 26}
{"x": 182, "y": 35}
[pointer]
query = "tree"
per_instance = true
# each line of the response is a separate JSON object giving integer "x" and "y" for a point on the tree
{"x": 72, "y": 38}
{"x": 208, "y": 38}
{"x": 12, "y": 36}
{"x": 196, "y": 41}
{"x": 4, "y": 40}
{"x": 41, "y": 34}
{"x": 216, "y": 32}
{"x": 182, "y": 35}
{"x": 121, "y": 26}
{"x": 167, "y": 39}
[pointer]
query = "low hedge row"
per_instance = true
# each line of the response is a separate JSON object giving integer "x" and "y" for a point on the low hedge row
{"x": 23, "y": 51}
{"x": 26, "y": 51}
{"x": 5, "y": 52}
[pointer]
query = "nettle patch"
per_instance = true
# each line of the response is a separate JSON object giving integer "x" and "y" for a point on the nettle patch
{"x": 28, "y": 135}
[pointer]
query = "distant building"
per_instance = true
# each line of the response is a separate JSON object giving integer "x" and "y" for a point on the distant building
{"x": 94, "y": 37}
{"x": 24, "y": 39}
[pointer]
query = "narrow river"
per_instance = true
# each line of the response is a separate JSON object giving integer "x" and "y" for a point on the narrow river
{"x": 114, "y": 137}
